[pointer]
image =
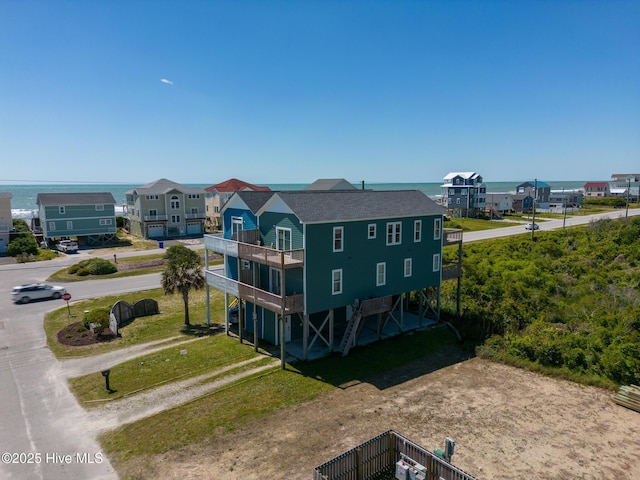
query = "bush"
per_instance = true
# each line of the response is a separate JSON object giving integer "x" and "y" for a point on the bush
{"x": 93, "y": 266}
{"x": 23, "y": 244}
{"x": 100, "y": 317}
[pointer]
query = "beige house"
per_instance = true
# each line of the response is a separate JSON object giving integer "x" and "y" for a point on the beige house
{"x": 6, "y": 221}
{"x": 165, "y": 209}
{"x": 217, "y": 195}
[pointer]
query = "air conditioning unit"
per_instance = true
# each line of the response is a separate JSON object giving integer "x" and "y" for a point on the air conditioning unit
{"x": 402, "y": 470}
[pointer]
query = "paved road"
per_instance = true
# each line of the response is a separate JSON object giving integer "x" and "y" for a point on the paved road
{"x": 41, "y": 425}
{"x": 545, "y": 225}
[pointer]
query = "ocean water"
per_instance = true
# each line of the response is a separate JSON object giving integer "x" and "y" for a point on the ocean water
{"x": 23, "y": 201}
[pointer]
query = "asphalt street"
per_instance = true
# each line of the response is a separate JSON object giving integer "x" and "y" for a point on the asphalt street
{"x": 44, "y": 432}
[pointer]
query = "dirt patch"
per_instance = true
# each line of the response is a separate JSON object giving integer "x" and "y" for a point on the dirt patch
{"x": 507, "y": 424}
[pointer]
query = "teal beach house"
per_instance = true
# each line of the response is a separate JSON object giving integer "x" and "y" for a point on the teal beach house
{"x": 88, "y": 217}
{"x": 322, "y": 271}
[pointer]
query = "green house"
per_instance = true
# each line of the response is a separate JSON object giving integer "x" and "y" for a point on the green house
{"x": 320, "y": 271}
{"x": 90, "y": 217}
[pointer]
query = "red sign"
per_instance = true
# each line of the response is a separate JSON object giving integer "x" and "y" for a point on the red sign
{"x": 66, "y": 297}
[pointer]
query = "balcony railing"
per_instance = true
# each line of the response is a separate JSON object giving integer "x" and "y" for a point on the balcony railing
{"x": 451, "y": 271}
{"x": 5, "y": 227}
{"x": 191, "y": 216}
{"x": 255, "y": 253}
{"x": 262, "y": 298}
{"x": 376, "y": 305}
{"x": 155, "y": 218}
{"x": 452, "y": 236}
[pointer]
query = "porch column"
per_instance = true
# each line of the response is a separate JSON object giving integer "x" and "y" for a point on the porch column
{"x": 283, "y": 349}
{"x": 206, "y": 288}
{"x": 305, "y": 336}
{"x": 331, "y": 330}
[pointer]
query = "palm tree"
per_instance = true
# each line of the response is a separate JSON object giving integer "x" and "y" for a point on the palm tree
{"x": 183, "y": 273}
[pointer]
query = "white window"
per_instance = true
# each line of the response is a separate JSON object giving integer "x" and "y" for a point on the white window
{"x": 52, "y": 226}
{"x": 69, "y": 225}
{"x": 371, "y": 231}
{"x": 194, "y": 195}
{"x": 105, "y": 221}
{"x": 394, "y": 233}
{"x": 284, "y": 239}
{"x": 151, "y": 197}
{"x": 408, "y": 267}
{"x": 437, "y": 228}
{"x": 175, "y": 218}
{"x": 194, "y": 210}
{"x": 417, "y": 231}
{"x": 61, "y": 210}
{"x": 336, "y": 281}
{"x": 99, "y": 208}
{"x": 381, "y": 274}
{"x": 436, "y": 262}
{"x": 338, "y": 239}
{"x": 175, "y": 203}
{"x": 153, "y": 212}
{"x": 245, "y": 264}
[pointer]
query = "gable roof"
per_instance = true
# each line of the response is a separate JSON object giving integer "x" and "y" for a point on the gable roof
{"x": 253, "y": 200}
{"x": 331, "y": 184}
{"x": 163, "y": 186}
{"x": 235, "y": 185}
{"x": 84, "y": 198}
{"x": 465, "y": 175}
{"x": 315, "y": 206}
{"x": 538, "y": 183}
{"x": 596, "y": 184}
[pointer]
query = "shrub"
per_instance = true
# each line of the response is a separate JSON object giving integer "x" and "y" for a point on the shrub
{"x": 23, "y": 244}
{"x": 100, "y": 317}
{"x": 93, "y": 266}
{"x": 83, "y": 272}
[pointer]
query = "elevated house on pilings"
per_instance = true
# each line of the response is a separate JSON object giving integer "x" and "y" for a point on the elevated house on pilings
{"x": 321, "y": 271}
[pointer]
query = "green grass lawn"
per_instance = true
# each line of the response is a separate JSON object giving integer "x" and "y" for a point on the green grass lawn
{"x": 170, "y": 364}
{"x": 253, "y": 398}
{"x": 167, "y": 324}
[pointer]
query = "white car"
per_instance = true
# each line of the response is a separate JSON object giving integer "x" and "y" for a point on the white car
{"x": 531, "y": 226}
{"x": 36, "y": 291}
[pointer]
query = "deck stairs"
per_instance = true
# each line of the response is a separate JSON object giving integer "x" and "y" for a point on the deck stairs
{"x": 351, "y": 332}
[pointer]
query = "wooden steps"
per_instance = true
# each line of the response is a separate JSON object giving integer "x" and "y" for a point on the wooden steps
{"x": 350, "y": 333}
{"x": 629, "y": 396}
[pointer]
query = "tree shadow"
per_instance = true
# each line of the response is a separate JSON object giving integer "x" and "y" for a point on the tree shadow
{"x": 198, "y": 330}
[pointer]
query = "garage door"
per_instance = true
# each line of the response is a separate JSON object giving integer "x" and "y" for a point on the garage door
{"x": 194, "y": 228}
{"x": 156, "y": 231}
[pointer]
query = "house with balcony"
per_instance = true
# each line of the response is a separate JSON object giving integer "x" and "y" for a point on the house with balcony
{"x": 321, "y": 271}
{"x": 626, "y": 185}
{"x": 90, "y": 217}
{"x": 464, "y": 194}
{"x": 538, "y": 190}
{"x": 596, "y": 190}
{"x": 497, "y": 204}
{"x": 6, "y": 221}
{"x": 165, "y": 209}
{"x": 216, "y": 196}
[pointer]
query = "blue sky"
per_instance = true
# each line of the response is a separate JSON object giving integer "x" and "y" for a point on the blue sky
{"x": 291, "y": 91}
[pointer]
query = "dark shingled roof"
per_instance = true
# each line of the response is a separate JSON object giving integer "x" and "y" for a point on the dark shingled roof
{"x": 313, "y": 206}
{"x": 85, "y": 198}
{"x": 255, "y": 199}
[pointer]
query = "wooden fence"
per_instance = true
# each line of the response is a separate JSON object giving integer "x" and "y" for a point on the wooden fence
{"x": 378, "y": 457}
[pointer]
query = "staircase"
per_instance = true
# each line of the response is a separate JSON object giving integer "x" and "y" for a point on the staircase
{"x": 351, "y": 332}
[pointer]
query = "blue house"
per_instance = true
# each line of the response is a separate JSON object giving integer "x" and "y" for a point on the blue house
{"x": 90, "y": 217}
{"x": 318, "y": 271}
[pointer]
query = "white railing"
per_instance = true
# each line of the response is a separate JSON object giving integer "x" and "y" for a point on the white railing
{"x": 221, "y": 245}
{"x": 190, "y": 216}
{"x": 155, "y": 218}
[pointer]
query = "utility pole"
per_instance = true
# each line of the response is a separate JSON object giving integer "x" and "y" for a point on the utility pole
{"x": 626, "y": 213}
{"x": 533, "y": 216}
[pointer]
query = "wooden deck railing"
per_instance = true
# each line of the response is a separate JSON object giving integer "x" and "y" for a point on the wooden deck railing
{"x": 452, "y": 236}
{"x": 253, "y": 252}
{"x": 249, "y": 293}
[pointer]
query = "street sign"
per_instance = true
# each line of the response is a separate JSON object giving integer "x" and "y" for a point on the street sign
{"x": 66, "y": 297}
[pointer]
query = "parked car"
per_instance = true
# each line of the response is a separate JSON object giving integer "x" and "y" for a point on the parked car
{"x": 36, "y": 291}
{"x": 68, "y": 246}
{"x": 531, "y": 226}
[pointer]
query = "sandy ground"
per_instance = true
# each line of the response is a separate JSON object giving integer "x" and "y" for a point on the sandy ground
{"x": 507, "y": 424}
